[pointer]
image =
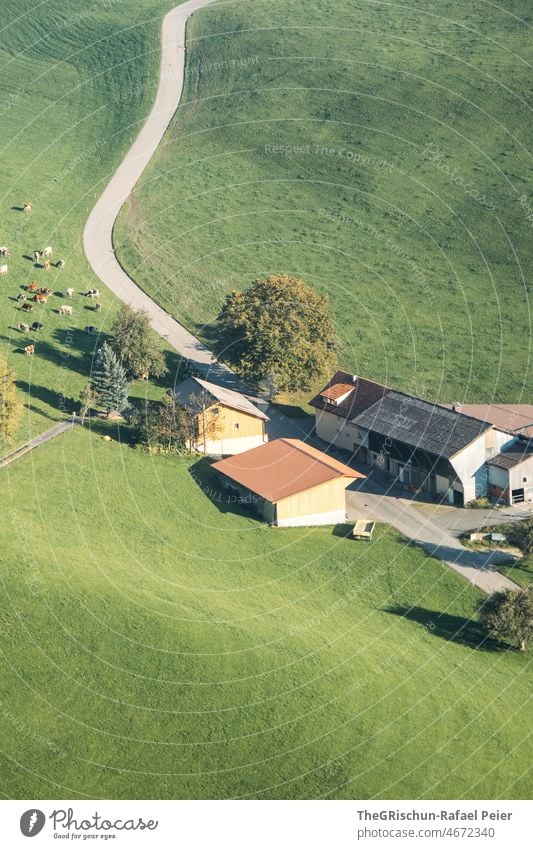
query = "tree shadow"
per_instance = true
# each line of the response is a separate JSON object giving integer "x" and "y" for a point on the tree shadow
{"x": 56, "y": 400}
{"x": 225, "y": 500}
{"x": 453, "y": 629}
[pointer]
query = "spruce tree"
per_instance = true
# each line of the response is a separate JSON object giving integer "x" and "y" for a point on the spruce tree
{"x": 109, "y": 380}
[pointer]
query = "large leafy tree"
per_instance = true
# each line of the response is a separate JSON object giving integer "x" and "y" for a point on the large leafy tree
{"x": 509, "y": 613}
{"x": 109, "y": 381}
{"x": 11, "y": 404}
{"x": 279, "y": 330}
{"x": 137, "y": 345}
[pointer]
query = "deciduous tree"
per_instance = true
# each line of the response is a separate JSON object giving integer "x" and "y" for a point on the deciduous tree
{"x": 137, "y": 345}
{"x": 11, "y": 404}
{"x": 278, "y": 330}
{"x": 509, "y": 613}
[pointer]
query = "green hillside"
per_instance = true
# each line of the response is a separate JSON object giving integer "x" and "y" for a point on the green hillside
{"x": 377, "y": 150}
{"x": 76, "y": 83}
{"x": 155, "y": 644}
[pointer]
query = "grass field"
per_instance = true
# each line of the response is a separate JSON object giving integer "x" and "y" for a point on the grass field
{"x": 76, "y": 82}
{"x": 156, "y": 644}
{"x": 377, "y": 150}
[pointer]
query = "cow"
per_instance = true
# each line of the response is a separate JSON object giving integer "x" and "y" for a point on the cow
{"x": 36, "y": 326}
{"x": 27, "y": 307}
{"x": 46, "y": 291}
{"x": 90, "y": 328}
{"x": 32, "y": 287}
{"x": 21, "y": 296}
{"x": 29, "y": 350}
{"x": 47, "y": 265}
{"x": 27, "y": 206}
{"x": 98, "y": 307}
{"x": 60, "y": 263}
{"x": 93, "y": 293}
{"x": 37, "y": 256}
{"x": 39, "y": 298}
{"x": 4, "y": 251}
{"x": 65, "y": 310}
{"x": 3, "y": 269}
{"x": 70, "y": 293}
{"x": 24, "y": 328}
{"x": 47, "y": 252}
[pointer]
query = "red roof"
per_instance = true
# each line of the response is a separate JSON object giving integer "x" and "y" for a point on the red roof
{"x": 282, "y": 468}
{"x": 362, "y": 394}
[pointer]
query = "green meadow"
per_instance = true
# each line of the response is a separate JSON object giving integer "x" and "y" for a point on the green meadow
{"x": 379, "y": 151}
{"x": 155, "y": 640}
{"x": 158, "y": 642}
{"x": 76, "y": 83}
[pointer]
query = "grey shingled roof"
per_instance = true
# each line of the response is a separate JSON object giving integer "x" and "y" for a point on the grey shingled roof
{"x": 513, "y": 456}
{"x": 227, "y": 397}
{"x": 421, "y": 424}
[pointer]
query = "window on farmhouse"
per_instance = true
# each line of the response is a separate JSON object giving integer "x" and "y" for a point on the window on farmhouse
{"x": 236, "y": 425}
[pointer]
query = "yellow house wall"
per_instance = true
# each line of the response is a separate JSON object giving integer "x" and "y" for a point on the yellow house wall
{"x": 325, "y": 498}
{"x": 226, "y": 421}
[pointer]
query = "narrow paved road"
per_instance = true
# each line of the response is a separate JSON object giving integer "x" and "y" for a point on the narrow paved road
{"x": 98, "y": 232}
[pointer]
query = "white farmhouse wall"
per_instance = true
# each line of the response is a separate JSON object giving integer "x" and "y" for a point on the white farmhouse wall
{"x": 338, "y": 431}
{"x": 234, "y": 445}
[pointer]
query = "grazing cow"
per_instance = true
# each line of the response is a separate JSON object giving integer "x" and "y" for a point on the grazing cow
{"x": 36, "y": 326}
{"x": 46, "y": 291}
{"x": 47, "y": 252}
{"x": 24, "y": 328}
{"x": 21, "y": 296}
{"x": 3, "y": 269}
{"x": 37, "y": 256}
{"x": 32, "y": 287}
{"x": 27, "y": 206}
{"x": 30, "y": 350}
{"x": 27, "y": 307}
{"x": 93, "y": 293}
{"x": 90, "y": 328}
{"x": 4, "y": 251}
{"x": 70, "y": 293}
{"x": 39, "y": 298}
{"x": 98, "y": 307}
{"x": 60, "y": 263}
{"x": 65, "y": 310}
{"x": 47, "y": 265}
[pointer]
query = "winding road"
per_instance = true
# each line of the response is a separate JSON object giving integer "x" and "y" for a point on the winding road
{"x": 98, "y": 231}
{"x": 98, "y": 246}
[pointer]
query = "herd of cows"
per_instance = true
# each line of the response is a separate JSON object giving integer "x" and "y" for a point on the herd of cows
{"x": 33, "y": 295}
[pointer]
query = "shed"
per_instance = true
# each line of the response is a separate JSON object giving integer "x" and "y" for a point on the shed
{"x": 290, "y": 483}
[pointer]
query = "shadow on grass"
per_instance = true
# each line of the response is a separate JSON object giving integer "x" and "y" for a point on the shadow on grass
{"x": 343, "y": 530}
{"x": 453, "y": 629}
{"x": 225, "y": 500}
{"x": 48, "y": 396}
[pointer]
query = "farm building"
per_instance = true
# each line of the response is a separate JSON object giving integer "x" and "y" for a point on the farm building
{"x": 511, "y": 473}
{"x": 422, "y": 445}
{"x": 290, "y": 483}
{"x": 225, "y": 422}
{"x": 514, "y": 418}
